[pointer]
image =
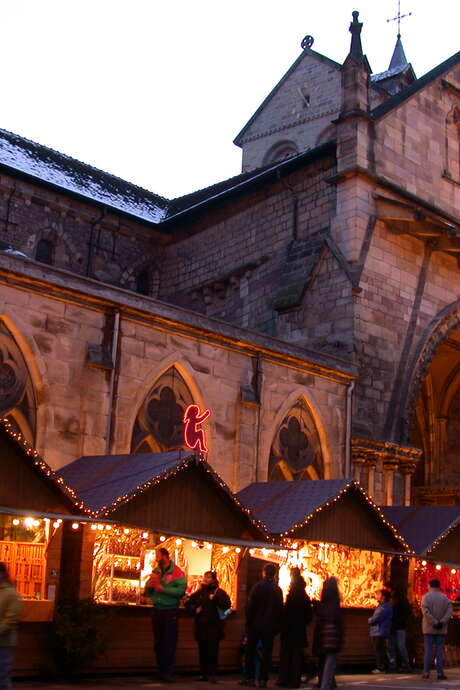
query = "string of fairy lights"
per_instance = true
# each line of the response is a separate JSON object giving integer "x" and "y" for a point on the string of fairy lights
{"x": 105, "y": 511}
{"x": 334, "y": 499}
{"x": 286, "y": 536}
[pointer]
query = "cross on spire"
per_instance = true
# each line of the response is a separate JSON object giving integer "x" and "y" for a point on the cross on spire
{"x": 398, "y": 18}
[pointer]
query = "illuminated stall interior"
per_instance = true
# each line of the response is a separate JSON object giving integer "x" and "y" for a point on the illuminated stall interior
{"x": 433, "y": 533}
{"x": 33, "y": 505}
{"x": 171, "y": 499}
{"x": 334, "y": 529}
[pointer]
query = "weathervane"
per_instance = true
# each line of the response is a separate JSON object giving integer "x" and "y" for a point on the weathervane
{"x": 398, "y": 18}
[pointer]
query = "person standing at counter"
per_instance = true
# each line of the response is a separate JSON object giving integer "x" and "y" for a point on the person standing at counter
{"x": 297, "y": 613}
{"x": 166, "y": 587}
{"x": 329, "y": 633}
{"x": 380, "y": 623}
{"x": 437, "y": 612}
{"x": 10, "y": 611}
{"x": 263, "y": 621}
{"x": 208, "y": 605}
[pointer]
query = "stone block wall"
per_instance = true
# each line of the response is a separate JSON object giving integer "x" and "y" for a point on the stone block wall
{"x": 301, "y": 111}
{"x": 230, "y": 262}
{"x": 120, "y": 248}
{"x": 417, "y": 143}
{"x": 53, "y": 323}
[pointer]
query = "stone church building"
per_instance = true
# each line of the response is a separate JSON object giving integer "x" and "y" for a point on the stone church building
{"x": 312, "y": 302}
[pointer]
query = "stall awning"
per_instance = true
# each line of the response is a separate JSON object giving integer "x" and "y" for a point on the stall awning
{"x": 176, "y": 492}
{"x": 333, "y": 510}
{"x": 430, "y": 531}
{"x": 27, "y": 481}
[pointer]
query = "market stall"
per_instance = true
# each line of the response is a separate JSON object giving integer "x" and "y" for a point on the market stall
{"x": 335, "y": 529}
{"x": 433, "y": 533}
{"x": 34, "y": 505}
{"x": 172, "y": 499}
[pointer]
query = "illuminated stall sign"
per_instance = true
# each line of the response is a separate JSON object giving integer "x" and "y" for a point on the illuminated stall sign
{"x": 194, "y": 435}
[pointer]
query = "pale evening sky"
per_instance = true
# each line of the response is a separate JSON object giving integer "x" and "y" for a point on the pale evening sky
{"x": 154, "y": 91}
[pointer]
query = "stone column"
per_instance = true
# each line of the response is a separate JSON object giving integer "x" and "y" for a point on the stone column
{"x": 407, "y": 470}
{"x": 359, "y": 462}
{"x": 389, "y": 467}
{"x": 371, "y": 464}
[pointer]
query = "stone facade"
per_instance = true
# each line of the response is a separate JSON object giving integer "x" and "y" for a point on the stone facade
{"x": 277, "y": 286}
{"x": 56, "y": 316}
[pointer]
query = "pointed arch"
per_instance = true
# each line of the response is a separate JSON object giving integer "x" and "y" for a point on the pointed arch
{"x": 157, "y": 425}
{"x": 19, "y": 392}
{"x": 296, "y": 446}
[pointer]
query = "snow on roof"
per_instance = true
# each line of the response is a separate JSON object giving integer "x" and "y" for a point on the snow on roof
{"x": 69, "y": 174}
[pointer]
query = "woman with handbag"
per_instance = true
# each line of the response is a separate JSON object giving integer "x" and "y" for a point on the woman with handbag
{"x": 209, "y": 606}
{"x": 328, "y": 634}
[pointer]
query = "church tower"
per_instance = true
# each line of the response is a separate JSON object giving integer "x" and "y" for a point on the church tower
{"x": 299, "y": 113}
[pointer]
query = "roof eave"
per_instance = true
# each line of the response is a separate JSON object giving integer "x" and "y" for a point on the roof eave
{"x": 275, "y": 171}
{"x": 27, "y": 177}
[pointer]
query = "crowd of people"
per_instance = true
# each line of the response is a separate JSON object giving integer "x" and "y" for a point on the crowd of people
{"x": 267, "y": 616}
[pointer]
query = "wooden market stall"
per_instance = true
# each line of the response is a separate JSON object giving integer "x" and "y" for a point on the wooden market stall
{"x": 433, "y": 533}
{"x": 337, "y": 530}
{"x": 33, "y": 508}
{"x": 171, "y": 499}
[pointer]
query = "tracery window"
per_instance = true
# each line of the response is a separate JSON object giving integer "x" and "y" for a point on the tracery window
{"x": 295, "y": 453}
{"x": 159, "y": 425}
{"x": 17, "y": 400}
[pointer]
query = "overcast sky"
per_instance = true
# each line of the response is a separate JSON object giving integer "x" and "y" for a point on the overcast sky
{"x": 155, "y": 91}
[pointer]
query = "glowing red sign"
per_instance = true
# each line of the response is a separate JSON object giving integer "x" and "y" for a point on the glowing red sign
{"x": 194, "y": 436}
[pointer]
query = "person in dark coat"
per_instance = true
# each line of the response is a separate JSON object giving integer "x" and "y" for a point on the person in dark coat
{"x": 297, "y": 613}
{"x": 329, "y": 632}
{"x": 263, "y": 622}
{"x": 208, "y": 606}
{"x": 402, "y": 611}
{"x": 380, "y": 623}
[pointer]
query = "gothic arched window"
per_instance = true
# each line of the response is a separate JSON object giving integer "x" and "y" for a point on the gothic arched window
{"x": 296, "y": 449}
{"x": 17, "y": 399}
{"x": 44, "y": 252}
{"x": 158, "y": 425}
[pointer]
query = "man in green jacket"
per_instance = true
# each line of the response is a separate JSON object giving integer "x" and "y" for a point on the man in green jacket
{"x": 165, "y": 587}
{"x": 10, "y": 612}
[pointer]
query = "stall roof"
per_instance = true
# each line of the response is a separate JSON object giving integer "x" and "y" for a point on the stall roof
{"x": 330, "y": 510}
{"x": 31, "y": 484}
{"x": 429, "y": 530}
{"x": 174, "y": 492}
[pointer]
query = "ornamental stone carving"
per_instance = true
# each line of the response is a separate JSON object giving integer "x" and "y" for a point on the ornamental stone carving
{"x": 159, "y": 425}
{"x": 296, "y": 450}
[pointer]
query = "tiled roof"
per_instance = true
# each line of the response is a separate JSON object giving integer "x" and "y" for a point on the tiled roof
{"x": 196, "y": 200}
{"x": 49, "y": 166}
{"x": 281, "y": 505}
{"x": 422, "y": 526}
{"x": 101, "y": 480}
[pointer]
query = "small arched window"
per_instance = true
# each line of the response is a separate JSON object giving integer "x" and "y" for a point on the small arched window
{"x": 280, "y": 151}
{"x": 44, "y": 252}
{"x": 143, "y": 282}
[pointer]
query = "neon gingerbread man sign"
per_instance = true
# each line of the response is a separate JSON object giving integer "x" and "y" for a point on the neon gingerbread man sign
{"x": 194, "y": 436}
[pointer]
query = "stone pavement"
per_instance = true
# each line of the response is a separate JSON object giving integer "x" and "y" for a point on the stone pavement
{"x": 230, "y": 682}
